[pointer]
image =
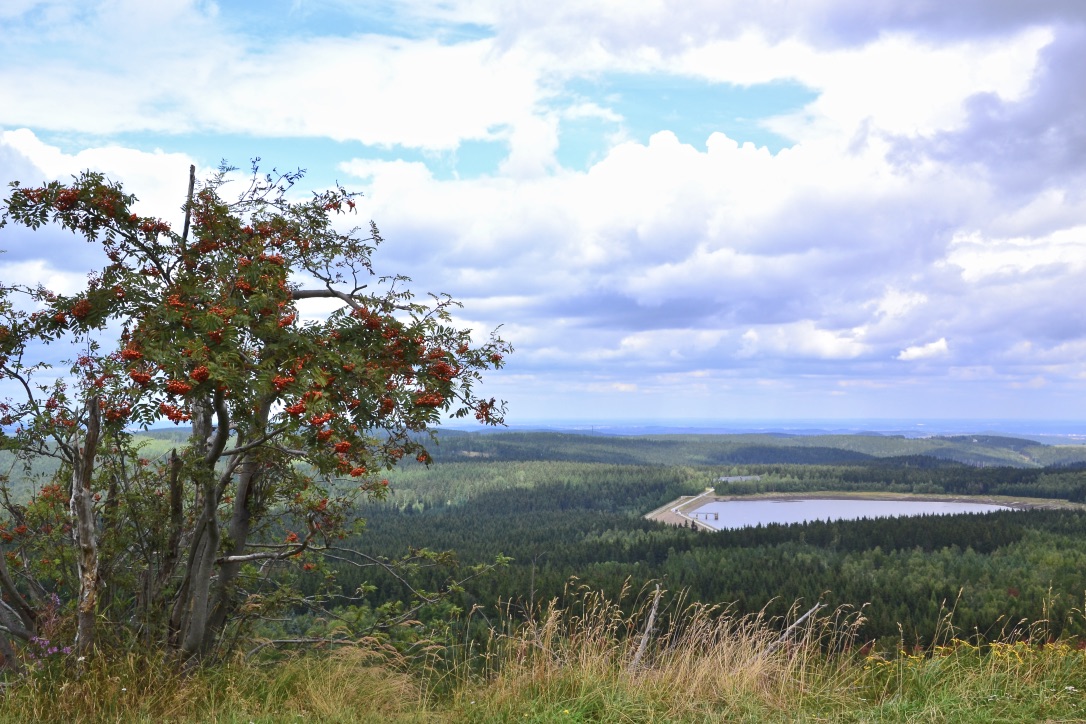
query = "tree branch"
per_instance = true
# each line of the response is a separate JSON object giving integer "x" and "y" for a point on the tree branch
{"x": 188, "y": 205}
{"x": 327, "y": 293}
{"x": 256, "y": 443}
{"x": 266, "y": 555}
{"x": 222, "y": 434}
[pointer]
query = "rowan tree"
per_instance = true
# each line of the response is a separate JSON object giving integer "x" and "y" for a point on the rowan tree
{"x": 291, "y": 421}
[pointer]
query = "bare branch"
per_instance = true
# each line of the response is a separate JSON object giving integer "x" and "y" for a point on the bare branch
{"x": 188, "y": 205}
{"x": 256, "y": 443}
{"x": 294, "y": 452}
{"x": 327, "y": 293}
{"x": 266, "y": 555}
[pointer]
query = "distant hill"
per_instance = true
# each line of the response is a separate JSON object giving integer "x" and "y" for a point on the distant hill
{"x": 681, "y": 450}
{"x": 758, "y": 448}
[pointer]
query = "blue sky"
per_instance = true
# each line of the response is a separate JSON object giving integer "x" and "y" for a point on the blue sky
{"x": 695, "y": 210}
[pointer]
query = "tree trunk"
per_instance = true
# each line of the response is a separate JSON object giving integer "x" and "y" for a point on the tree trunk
{"x": 108, "y": 531}
{"x": 196, "y": 594}
{"x": 177, "y": 520}
{"x": 84, "y": 529}
{"x": 238, "y": 534}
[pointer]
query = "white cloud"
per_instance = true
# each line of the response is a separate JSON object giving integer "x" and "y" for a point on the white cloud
{"x": 730, "y": 239}
{"x": 938, "y": 348}
{"x": 802, "y": 339}
{"x": 621, "y": 387}
{"x": 978, "y": 258}
{"x": 662, "y": 263}
{"x": 185, "y": 71}
{"x": 159, "y": 179}
{"x": 898, "y": 303}
{"x": 532, "y": 143}
{"x": 41, "y": 272}
{"x": 665, "y": 344}
{"x": 429, "y": 95}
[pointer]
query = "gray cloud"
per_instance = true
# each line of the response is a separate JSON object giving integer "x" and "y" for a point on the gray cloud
{"x": 856, "y": 22}
{"x": 672, "y": 28}
{"x": 1026, "y": 145}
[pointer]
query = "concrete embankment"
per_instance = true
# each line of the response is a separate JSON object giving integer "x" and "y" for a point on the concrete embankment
{"x": 677, "y": 511}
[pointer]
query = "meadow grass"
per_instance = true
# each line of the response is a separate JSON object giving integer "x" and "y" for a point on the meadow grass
{"x": 588, "y": 661}
{"x": 704, "y": 664}
{"x": 348, "y": 685}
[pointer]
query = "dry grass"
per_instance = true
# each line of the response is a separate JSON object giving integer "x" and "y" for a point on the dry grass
{"x": 700, "y": 663}
{"x": 342, "y": 686}
{"x": 585, "y": 661}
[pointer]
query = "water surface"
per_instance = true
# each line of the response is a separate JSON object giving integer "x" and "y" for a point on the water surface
{"x": 729, "y": 514}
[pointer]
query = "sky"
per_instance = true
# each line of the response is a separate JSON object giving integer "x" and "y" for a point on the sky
{"x": 695, "y": 210}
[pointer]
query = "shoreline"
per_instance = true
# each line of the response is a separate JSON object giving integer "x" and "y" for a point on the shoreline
{"x": 676, "y": 511}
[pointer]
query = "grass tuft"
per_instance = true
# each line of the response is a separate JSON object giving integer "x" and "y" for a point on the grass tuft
{"x": 700, "y": 663}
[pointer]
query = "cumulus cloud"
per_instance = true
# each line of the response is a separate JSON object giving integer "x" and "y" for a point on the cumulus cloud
{"x": 778, "y": 262}
{"x": 174, "y": 67}
{"x": 929, "y": 192}
{"x": 1029, "y": 143}
{"x": 938, "y": 348}
{"x": 159, "y": 179}
{"x": 657, "y": 30}
{"x": 802, "y": 339}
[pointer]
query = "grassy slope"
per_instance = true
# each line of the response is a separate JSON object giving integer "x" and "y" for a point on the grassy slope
{"x": 577, "y": 665}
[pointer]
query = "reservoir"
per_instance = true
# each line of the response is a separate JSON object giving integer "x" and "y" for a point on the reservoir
{"x": 730, "y": 514}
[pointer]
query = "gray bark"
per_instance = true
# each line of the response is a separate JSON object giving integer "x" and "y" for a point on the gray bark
{"x": 238, "y": 533}
{"x": 196, "y": 595}
{"x": 177, "y": 519}
{"x": 193, "y": 621}
{"x": 84, "y": 530}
